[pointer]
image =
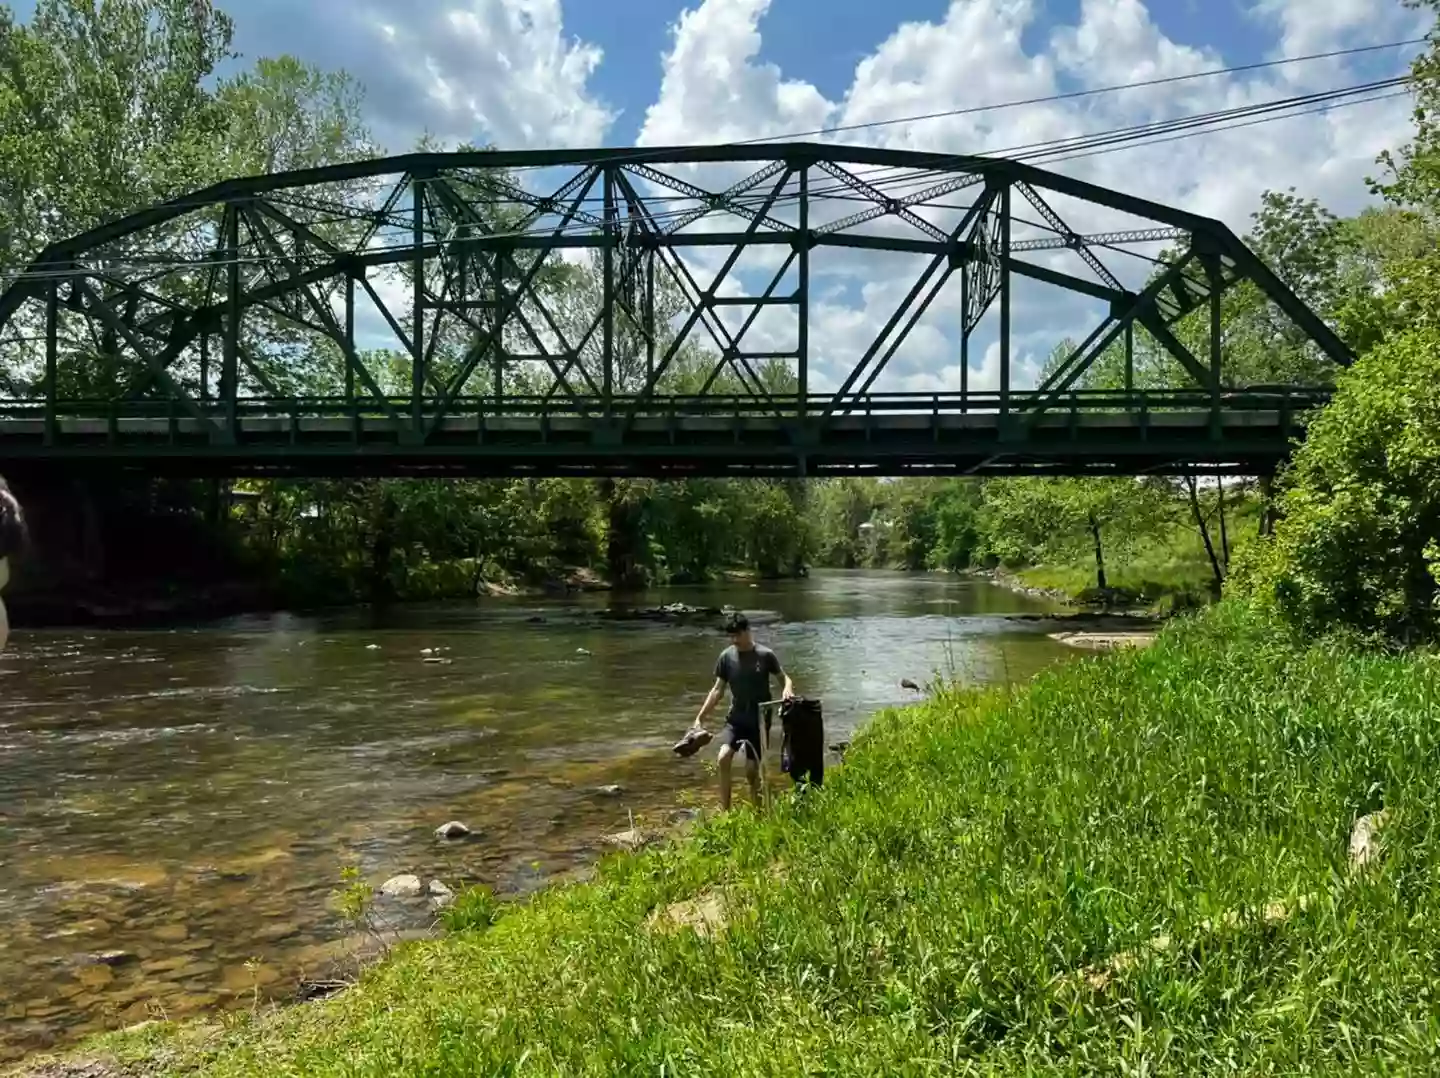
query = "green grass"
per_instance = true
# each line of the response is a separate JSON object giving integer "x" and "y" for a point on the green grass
{"x": 939, "y": 895}
{"x": 1166, "y": 570}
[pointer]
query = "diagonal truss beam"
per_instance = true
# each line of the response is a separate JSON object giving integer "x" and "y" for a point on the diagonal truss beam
{"x": 712, "y": 200}
{"x": 890, "y": 206}
{"x": 1071, "y": 239}
{"x": 973, "y": 217}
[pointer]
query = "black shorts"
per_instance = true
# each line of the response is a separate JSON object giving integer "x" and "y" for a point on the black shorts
{"x": 733, "y": 734}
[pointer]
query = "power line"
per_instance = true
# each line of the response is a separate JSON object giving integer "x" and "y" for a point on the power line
{"x": 1077, "y": 94}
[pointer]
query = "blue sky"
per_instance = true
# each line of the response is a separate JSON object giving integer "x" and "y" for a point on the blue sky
{"x": 531, "y": 73}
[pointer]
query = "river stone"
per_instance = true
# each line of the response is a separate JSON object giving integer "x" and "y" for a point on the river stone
{"x": 95, "y": 976}
{"x": 188, "y": 1004}
{"x": 136, "y": 1012}
{"x": 165, "y": 965}
{"x": 276, "y": 933}
{"x": 612, "y": 790}
{"x": 632, "y": 839}
{"x": 238, "y": 979}
{"x": 112, "y": 958}
{"x": 440, "y": 895}
{"x": 171, "y": 933}
{"x": 453, "y": 829}
{"x": 405, "y": 886}
{"x": 195, "y": 967}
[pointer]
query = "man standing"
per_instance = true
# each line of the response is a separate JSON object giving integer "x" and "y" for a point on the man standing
{"x": 12, "y": 538}
{"x": 745, "y": 668}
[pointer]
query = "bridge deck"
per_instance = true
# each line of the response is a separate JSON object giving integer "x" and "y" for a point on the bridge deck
{"x": 1242, "y": 441}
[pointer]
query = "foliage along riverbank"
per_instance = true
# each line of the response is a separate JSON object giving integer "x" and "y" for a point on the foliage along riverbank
{"x": 945, "y": 903}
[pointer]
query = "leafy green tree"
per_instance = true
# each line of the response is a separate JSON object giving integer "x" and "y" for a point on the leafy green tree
{"x": 1358, "y": 542}
{"x": 1031, "y": 520}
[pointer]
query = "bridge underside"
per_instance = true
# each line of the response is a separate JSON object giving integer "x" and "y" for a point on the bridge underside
{"x": 942, "y": 441}
{"x": 605, "y": 313}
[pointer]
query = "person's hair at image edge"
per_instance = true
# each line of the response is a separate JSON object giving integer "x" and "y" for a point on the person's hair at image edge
{"x": 12, "y": 523}
{"x": 736, "y": 623}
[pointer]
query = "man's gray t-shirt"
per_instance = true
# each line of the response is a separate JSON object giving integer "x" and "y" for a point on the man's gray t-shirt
{"x": 748, "y": 674}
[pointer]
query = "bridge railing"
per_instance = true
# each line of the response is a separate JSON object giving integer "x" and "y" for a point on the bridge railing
{"x": 1288, "y": 399}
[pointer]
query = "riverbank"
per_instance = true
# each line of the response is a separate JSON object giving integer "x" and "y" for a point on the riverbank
{"x": 1181, "y": 590}
{"x": 951, "y": 893}
{"x": 114, "y": 606}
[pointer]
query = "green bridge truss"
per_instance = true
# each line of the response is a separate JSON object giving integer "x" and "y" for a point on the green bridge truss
{"x": 663, "y": 312}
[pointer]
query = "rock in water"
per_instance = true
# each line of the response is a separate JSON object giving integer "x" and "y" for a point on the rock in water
{"x": 613, "y": 790}
{"x": 406, "y": 886}
{"x": 453, "y": 829}
{"x": 440, "y": 895}
{"x": 112, "y": 958}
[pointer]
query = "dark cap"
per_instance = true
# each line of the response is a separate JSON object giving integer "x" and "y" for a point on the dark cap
{"x": 737, "y": 623}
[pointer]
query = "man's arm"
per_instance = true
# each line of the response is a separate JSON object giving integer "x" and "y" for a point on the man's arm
{"x": 711, "y": 699}
{"x": 788, "y": 692}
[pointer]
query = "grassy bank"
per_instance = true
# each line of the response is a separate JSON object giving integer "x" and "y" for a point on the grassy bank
{"x": 1164, "y": 570}
{"x": 934, "y": 908}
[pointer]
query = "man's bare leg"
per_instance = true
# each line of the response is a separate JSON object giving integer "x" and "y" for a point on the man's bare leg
{"x": 752, "y": 775}
{"x": 722, "y": 761}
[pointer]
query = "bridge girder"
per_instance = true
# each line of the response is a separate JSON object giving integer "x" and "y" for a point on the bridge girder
{"x": 605, "y": 289}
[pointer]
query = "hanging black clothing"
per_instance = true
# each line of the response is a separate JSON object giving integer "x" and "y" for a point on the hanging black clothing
{"x": 802, "y": 748}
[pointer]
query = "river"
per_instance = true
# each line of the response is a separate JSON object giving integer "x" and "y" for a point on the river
{"x": 184, "y": 801}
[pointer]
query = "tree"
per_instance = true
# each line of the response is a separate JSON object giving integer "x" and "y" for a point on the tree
{"x": 1358, "y": 541}
{"x": 1030, "y": 520}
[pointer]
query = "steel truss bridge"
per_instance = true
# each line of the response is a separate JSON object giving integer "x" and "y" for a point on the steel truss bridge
{"x": 605, "y": 313}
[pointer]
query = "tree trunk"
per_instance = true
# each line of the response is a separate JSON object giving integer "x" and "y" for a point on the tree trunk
{"x": 1100, "y": 581}
{"x": 1267, "y": 506}
{"x": 1224, "y": 534}
{"x": 382, "y": 588}
{"x": 1192, "y": 486}
{"x": 622, "y": 564}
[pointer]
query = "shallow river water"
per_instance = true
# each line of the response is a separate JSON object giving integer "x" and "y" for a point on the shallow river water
{"x": 182, "y": 803}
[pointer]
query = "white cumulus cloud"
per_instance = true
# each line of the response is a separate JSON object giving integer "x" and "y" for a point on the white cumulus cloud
{"x": 499, "y": 71}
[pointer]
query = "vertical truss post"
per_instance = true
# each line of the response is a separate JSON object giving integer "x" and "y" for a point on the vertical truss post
{"x": 1129, "y": 360}
{"x": 1004, "y": 301}
{"x": 230, "y": 355}
{"x": 417, "y": 303}
{"x": 650, "y": 322}
{"x": 205, "y": 364}
{"x": 802, "y": 295}
{"x": 350, "y": 341}
{"x": 1213, "y": 273}
{"x": 52, "y": 359}
{"x": 607, "y": 299}
{"x": 500, "y": 298}
{"x": 964, "y": 340}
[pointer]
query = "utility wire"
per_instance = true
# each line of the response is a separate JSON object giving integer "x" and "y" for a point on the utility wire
{"x": 1077, "y": 94}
